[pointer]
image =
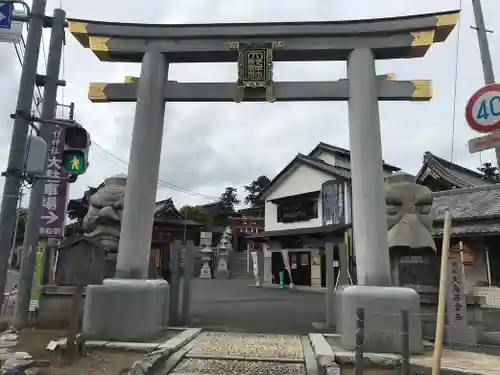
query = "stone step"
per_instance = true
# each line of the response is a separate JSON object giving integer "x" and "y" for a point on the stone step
{"x": 241, "y": 367}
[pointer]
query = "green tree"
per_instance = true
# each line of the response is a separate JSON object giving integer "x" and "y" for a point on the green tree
{"x": 228, "y": 200}
{"x": 490, "y": 171}
{"x": 255, "y": 188}
{"x": 197, "y": 214}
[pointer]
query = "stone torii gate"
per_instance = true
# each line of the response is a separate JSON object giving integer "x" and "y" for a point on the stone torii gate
{"x": 254, "y": 47}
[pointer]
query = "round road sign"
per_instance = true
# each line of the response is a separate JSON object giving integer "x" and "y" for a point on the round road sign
{"x": 483, "y": 109}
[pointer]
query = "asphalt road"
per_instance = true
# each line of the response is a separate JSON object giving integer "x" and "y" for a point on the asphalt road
{"x": 234, "y": 305}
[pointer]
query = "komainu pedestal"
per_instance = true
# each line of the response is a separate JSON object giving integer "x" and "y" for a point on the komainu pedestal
{"x": 126, "y": 310}
{"x": 383, "y": 318}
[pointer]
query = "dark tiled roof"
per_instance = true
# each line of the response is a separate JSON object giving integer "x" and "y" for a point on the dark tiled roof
{"x": 325, "y": 167}
{"x": 480, "y": 202}
{"x": 455, "y": 174}
{"x": 325, "y": 147}
{"x": 478, "y": 228}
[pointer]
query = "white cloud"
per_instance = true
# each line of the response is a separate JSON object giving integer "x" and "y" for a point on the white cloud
{"x": 209, "y": 146}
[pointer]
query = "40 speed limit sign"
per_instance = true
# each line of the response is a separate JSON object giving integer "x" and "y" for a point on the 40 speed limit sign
{"x": 483, "y": 109}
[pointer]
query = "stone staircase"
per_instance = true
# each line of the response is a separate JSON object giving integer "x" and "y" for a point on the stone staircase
{"x": 237, "y": 264}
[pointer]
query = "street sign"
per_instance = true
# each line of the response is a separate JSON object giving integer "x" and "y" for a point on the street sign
{"x": 484, "y": 143}
{"x": 13, "y": 33}
{"x": 483, "y": 109}
{"x": 6, "y": 15}
{"x": 56, "y": 191}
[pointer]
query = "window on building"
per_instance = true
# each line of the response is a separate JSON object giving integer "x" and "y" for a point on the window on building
{"x": 298, "y": 208}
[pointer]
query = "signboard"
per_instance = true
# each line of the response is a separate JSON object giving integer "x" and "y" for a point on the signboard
{"x": 333, "y": 202}
{"x": 456, "y": 306}
{"x": 11, "y": 34}
{"x": 255, "y": 67}
{"x": 56, "y": 191}
{"x": 206, "y": 238}
{"x": 483, "y": 109}
{"x": 6, "y": 15}
{"x": 37, "y": 278}
{"x": 484, "y": 143}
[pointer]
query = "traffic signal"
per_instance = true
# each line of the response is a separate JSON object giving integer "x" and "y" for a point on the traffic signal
{"x": 76, "y": 150}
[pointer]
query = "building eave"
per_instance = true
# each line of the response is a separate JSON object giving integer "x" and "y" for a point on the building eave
{"x": 445, "y": 169}
{"x": 339, "y": 151}
{"x": 305, "y": 160}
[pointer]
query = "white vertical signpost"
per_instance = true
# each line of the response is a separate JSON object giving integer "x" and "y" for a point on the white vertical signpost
{"x": 483, "y": 115}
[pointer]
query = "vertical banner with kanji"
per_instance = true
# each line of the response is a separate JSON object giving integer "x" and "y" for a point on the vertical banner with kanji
{"x": 456, "y": 305}
{"x": 56, "y": 191}
{"x": 37, "y": 277}
{"x": 332, "y": 202}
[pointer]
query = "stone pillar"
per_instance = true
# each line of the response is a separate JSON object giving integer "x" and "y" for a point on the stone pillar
{"x": 130, "y": 307}
{"x": 330, "y": 283}
{"x": 368, "y": 195}
{"x": 140, "y": 197}
{"x": 268, "y": 265}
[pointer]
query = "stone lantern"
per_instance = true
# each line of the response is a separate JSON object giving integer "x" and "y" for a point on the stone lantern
{"x": 206, "y": 260}
{"x": 223, "y": 250}
{"x": 223, "y": 253}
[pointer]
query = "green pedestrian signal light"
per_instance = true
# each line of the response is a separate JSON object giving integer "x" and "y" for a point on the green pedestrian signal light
{"x": 73, "y": 161}
{"x": 76, "y": 150}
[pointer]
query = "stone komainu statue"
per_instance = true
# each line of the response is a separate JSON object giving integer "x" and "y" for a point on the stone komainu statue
{"x": 409, "y": 213}
{"x": 103, "y": 218}
{"x": 412, "y": 249}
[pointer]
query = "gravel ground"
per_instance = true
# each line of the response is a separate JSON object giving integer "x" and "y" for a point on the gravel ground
{"x": 248, "y": 345}
{"x": 211, "y": 366}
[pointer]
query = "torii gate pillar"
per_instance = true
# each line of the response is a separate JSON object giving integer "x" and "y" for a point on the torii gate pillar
{"x": 136, "y": 307}
{"x": 368, "y": 206}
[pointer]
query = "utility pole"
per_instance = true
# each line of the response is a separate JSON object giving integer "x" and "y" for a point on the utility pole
{"x": 484, "y": 49}
{"x": 15, "y": 165}
{"x": 49, "y": 105}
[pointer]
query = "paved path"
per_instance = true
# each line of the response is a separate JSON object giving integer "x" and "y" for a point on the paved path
{"x": 243, "y": 354}
{"x": 234, "y": 305}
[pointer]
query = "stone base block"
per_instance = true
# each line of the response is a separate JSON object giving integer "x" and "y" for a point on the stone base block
{"x": 383, "y": 324}
{"x": 126, "y": 310}
{"x": 461, "y": 335}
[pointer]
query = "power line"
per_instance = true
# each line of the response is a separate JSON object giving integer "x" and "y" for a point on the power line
{"x": 455, "y": 83}
{"x": 161, "y": 183}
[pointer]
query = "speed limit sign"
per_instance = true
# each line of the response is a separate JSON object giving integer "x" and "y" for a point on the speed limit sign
{"x": 483, "y": 109}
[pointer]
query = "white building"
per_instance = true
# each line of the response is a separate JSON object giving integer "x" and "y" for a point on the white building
{"x": 294, "y": 201}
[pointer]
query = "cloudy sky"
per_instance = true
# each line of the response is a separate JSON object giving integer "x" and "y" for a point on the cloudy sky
{"x": 209, "y": 146}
